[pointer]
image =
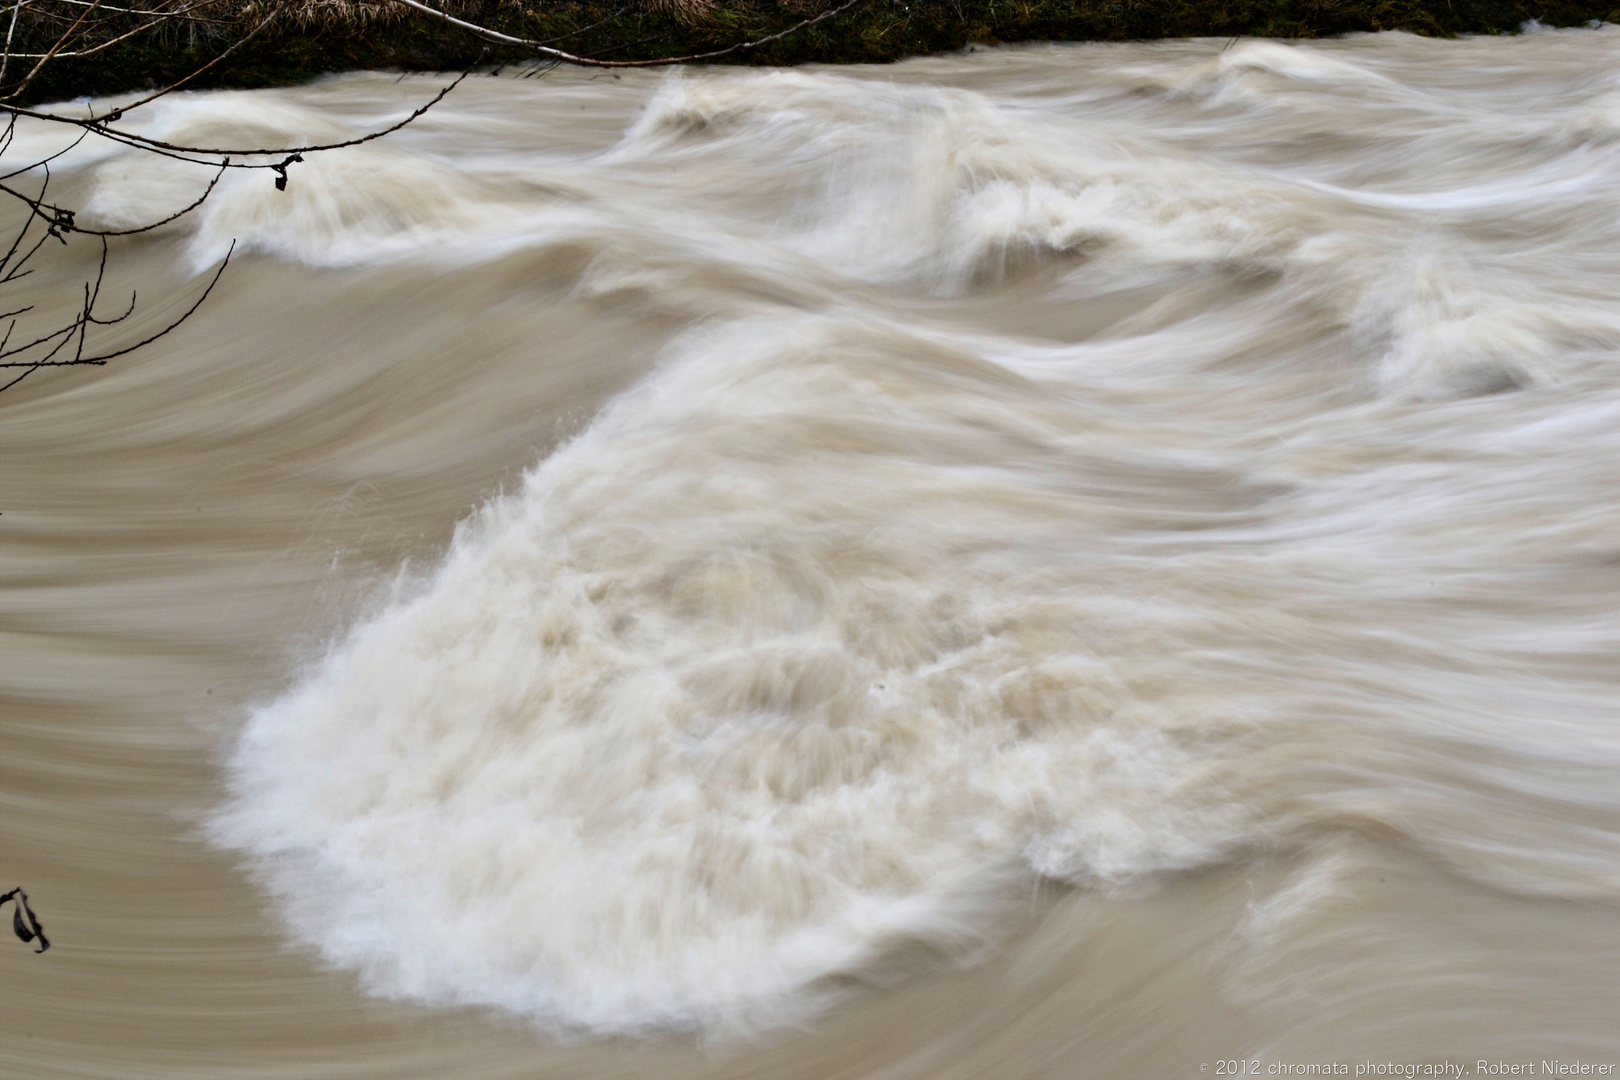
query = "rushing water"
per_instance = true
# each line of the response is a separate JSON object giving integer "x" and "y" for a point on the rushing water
{"x": 1066, "y": 561}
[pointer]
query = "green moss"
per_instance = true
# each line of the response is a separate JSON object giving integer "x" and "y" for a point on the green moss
{"x": 878, "y": 31}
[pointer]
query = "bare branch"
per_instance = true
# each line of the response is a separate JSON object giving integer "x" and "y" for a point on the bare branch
{"x": 101, "y": 359}
{"x": 76, "y": 29}
{"x": 121, "y": 111}
{"x": 84, "y": 52}
{"x": 11, "y": 29}
{"x": 178, "y": 151}
{"x": 499, "y": 38}
{"x": 63, "y": 40}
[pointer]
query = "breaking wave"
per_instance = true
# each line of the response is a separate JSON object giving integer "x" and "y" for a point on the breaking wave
{"x": 844, "y": 624}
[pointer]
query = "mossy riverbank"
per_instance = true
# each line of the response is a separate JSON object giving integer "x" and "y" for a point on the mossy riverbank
{"x": 873, "y": 31}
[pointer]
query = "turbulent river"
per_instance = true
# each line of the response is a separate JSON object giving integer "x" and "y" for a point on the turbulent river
{"x": 1069, "y": 561}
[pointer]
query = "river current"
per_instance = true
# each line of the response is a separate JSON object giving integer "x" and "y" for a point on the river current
{"x": 1060, "y": 561}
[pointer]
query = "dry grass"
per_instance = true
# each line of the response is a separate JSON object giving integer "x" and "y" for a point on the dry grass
{"x": 332, "y": 15}
{"x": 686, "y": 11}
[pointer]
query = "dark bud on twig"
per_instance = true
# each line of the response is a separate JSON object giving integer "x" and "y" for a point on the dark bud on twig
{"x": 281, "y": 170}
{"x": 61, "y": 222}
{"x": 24, "y": 921}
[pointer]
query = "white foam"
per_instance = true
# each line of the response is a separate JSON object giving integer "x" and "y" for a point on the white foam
{"x": 656, "y": 749}
{"x": 838, "y": 623}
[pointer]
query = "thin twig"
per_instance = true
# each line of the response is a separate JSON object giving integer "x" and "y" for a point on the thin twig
{"x": 174, "y": 150}
{"x": 5, "y": 58}
{"x": 104, "y": 357}
{"x": 54, "y": 49}
{"x": 27, "y": 928}
{"x": 506, "y": 39}
{"x": 122, "y": 110}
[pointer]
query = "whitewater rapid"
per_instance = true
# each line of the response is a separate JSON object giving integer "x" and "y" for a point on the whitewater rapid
{"x": 1079, "y": 465}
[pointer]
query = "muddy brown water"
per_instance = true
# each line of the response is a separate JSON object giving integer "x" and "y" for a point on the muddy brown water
{"x": 1068, "y": 561}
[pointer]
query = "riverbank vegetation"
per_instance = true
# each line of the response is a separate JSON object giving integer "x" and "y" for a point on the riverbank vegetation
{"x": 292, "y": 40}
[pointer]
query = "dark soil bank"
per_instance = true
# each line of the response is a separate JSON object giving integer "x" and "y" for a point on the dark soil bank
{"x": 875, "y": 31}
